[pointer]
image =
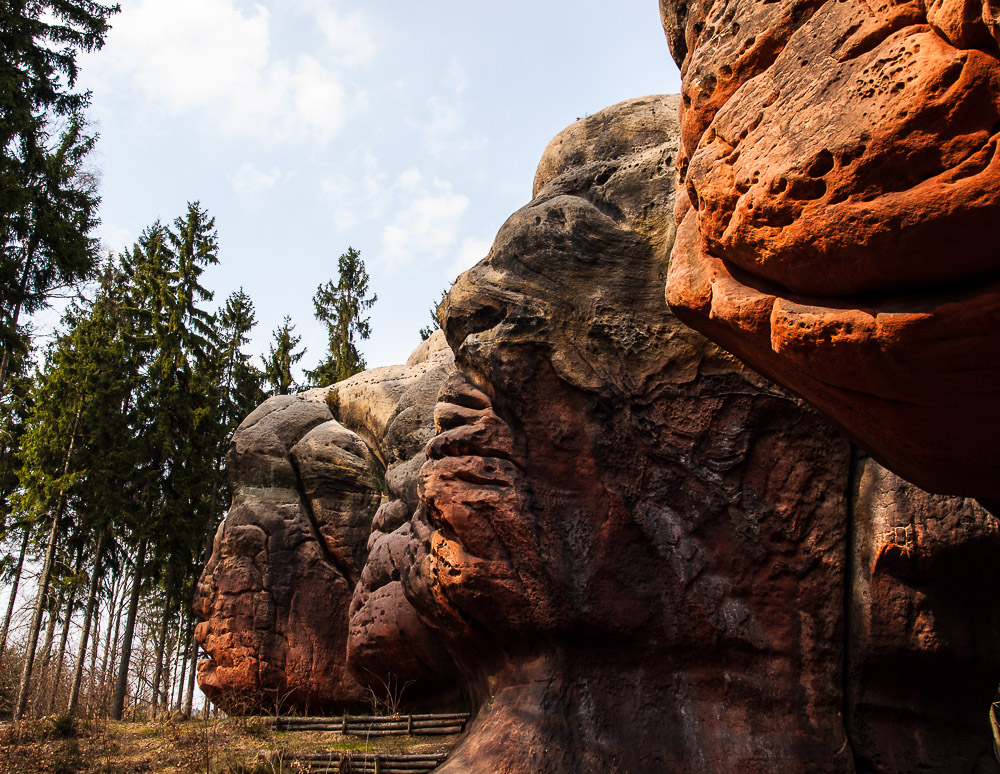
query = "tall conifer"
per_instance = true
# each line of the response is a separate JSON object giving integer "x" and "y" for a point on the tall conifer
{"x": 341, "y": 307}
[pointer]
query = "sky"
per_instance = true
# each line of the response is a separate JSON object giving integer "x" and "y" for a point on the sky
{"x": 409, "y": 131}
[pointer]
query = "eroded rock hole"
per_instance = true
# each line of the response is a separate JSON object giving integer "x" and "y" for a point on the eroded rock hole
{"x": 822, "y": 164}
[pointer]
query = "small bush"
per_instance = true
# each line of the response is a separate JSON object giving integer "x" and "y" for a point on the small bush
{"x": 62, "y": 726}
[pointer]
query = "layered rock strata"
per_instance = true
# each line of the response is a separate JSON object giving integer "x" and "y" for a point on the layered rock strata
{"x": 309, "y": 473}
{"x": 839, "y": 213}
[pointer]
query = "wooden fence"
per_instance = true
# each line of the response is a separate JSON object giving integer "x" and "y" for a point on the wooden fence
{"x": 357, "y": 763}
{"x": 378, "y": 725}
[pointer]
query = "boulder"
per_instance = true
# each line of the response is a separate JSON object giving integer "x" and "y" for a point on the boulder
{"x": 923, "y": 633}
{"x": 614, "y": 542}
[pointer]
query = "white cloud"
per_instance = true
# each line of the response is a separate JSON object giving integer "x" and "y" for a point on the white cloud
{"x": 212, "y": 60}
{"x": 445, "y": 119}
{"x": 422, "y": 217}
{"x": 427, "y": 223}
{"x": 409, "y": 179}
{"x": 248, "y": 180}
{"x": 114, "y": 238}
{"x": 347, "y": 36}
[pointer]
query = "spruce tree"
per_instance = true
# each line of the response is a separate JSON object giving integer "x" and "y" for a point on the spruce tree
{"x": 241, "y": 381}
{"x": 341, "y": 307}
{"x": 238, "y": 381}
{"x": 79, "y": 478}
{"x": 47, "y": 199}
{"x": 282, "y": 356}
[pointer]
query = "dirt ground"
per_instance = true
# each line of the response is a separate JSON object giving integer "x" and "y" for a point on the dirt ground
{"x": 222, "y": 746}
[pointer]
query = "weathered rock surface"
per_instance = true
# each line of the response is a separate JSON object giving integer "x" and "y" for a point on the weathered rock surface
{"x": 924, "y": 627}
{"x": 839, "y": 215}
{"x": 628, "y": 550}
{"x": 274, "y": 598}
{"x": 651, "y": 537}
{"x": 645, "y": 557}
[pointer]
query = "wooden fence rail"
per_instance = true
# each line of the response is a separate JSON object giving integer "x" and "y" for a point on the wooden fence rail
{"x": 377, "y": 725}
{"x": 348, "y": 763}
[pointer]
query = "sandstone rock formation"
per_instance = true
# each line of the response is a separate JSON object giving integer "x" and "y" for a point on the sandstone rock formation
{"x": 839, "y": 215}
{"x": 923, "y": 645}
{"x": 307, "y": 483}
{"x": 643, "y": 556}
{"x": 628, "y": 550}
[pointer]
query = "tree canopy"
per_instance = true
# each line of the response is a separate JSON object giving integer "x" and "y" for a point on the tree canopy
{"x": 48, "y": 198}
{"x": 282, "y": 356}
{"x": 341, "y": 307}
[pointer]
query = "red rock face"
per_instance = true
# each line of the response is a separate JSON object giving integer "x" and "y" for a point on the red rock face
{"x": 274, "y": 599}
{"x": 839, "y": 212}
{"x": 923, "y": 627}
{"x": 610, "y": 539}
{"x": 634, "y": 546}
{"x": 274, "y": 595}
{"x": 644, "y": 557}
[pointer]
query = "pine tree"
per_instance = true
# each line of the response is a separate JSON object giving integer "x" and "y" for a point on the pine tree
{"x": 341, "y": 307}
{"x": 239, "y": 384}
{"x": 177, "y": 423}
{"x": 15, "y": 533}
{"x": 14, "y": 407}
{"x": 48, "y": 203}
{"x": 241, "y": 380}
{"x": 278, "y": 364}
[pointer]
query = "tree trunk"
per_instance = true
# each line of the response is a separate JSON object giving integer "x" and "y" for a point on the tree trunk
{"x": 61, "y": 652}
{"x": 161, "y": 640}
{"x": 67, "y": 622}
{"x": 81, "y": 653}
{"x": 121, "y": 687}
{"x": 13, "y": 594}
{"x": 192, "y": 672}
{"x": 169, "y": 673}
{"x": 111, "y": 644}
{"x": 43, "y": 583}
{"x": 185, "y": 655}
{"x": 43, "y": 681}
{"x": 36, "y": 621}
{"x": 92, "y": 682}
{"x": 179, "y": 656}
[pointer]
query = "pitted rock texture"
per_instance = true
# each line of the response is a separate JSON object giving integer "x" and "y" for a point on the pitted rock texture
{"x": 839, "y": 214}
{"x": 645, "y": 557}
{"x": 275, "y": 595}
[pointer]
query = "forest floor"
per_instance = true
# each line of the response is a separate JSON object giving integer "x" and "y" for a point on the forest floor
{"x": 198, "y": 746}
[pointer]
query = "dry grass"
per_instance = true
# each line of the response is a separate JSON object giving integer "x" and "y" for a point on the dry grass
{"x": 225, "y": 746}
